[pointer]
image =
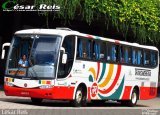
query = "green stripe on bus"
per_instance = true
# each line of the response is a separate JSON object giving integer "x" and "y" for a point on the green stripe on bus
{"x": 102, "y": 73}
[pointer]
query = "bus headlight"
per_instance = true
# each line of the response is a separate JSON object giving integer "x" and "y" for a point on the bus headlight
{"x": 45, "y": 86}
{"x": 9, "y": 84}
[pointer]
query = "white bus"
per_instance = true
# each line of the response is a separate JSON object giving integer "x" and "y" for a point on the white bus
{"x": 69, "y": 65}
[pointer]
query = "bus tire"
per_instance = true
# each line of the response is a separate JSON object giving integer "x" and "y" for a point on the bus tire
{"x": 36, "y": 100}
{"x": 80, "y": 98}
{"x": 133, "y": 101}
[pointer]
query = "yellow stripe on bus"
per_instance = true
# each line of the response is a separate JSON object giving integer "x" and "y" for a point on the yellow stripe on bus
{"x": 108, "y": 77}
{"x": 94, "y": 73}
{"x": 10, "y": 79}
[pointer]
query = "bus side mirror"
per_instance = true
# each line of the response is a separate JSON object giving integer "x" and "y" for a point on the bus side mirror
{"x": 3, "y": 50}
{"x": 3, "y": 54}
{"x": 64, "y": 55}
{"x": 64, "y": 58}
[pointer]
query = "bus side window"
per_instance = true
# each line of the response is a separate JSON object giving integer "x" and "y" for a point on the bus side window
{"x": 125, "y": 54}
{"x": 79, "y": 48}
{"x": 122, "y": 54}
{"x": 134, "y": 56}
{"x": 96, "y": 50}
{"x": 146, "y": 60}
{"x": 153, "y": 58}
{"x": 89, "y": 49}
{"x": 109, "y": 51}
{"x": 84, "y": 48}
{"x": 115, "y": 53}
{"x": 139, "y": 57}
{"x": 102, "y": 51}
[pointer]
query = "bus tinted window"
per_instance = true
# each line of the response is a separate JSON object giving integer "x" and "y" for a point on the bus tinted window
{"x": 96, "y": 53}
{"x": 146, "y": 55}
{"x": 84, "y": 48}
{"x": 103, "y": 51}
{"x": 109, "y": 52}
{"x": 134, "y": 56}
{"x": 125, "y": 54}
{"x": 97, "y": 50}
{"x": 139, "y": 57}
{"x": 89, "y": 49}
{"x": 153, "y": 58}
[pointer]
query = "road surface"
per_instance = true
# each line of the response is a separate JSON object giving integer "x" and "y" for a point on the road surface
{"x": 23, "y": 106}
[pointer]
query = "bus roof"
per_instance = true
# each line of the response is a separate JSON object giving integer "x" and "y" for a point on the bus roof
{"x": 66, "y": 31}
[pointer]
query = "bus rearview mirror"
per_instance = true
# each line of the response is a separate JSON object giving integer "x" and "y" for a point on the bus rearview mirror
{"x": 64, "y": 58}
{"x": 3, "y": 54}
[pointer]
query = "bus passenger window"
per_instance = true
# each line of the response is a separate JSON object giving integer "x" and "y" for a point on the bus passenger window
{"x": 146, "y": 58}
{"x": 153, "y": 58}
{"x": 134, "y": 56}
{"x": 96, "y": 50}
{"x": 122, "y": 54}
{"x": 115, "y": 53}
{"x": 102, "y": 51}
{"x": 84, "y": 51}
{"x": 109, "y": 52}
{"x": 139, "y": 57}
{"x": 89, "y": 51}
{"x": 79, "y": 48}
{"x": 126, "y": 55}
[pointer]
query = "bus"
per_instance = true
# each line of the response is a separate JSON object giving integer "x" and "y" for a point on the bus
{"x": 68, "y": 65}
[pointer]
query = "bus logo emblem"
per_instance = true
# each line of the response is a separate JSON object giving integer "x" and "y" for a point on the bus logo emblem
{"x": 25, "y": 85}
{"x": 94, "y": 89}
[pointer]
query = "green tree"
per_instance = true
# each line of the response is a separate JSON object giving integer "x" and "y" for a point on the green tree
{"x": 140, "y": 17}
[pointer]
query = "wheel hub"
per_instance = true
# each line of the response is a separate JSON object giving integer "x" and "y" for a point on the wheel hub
{"x": 79, "y": 96}
{"x": 134, "y": 98}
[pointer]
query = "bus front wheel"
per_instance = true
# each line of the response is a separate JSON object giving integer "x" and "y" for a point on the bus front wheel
{"x": 80, "y": 98}
{"x": 36, "y": 100}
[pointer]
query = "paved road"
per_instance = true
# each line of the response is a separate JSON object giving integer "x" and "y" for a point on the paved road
{"x": 61, "y": 107}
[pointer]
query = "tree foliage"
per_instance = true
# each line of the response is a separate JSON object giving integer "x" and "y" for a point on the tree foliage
{"x": 140, "y": 17}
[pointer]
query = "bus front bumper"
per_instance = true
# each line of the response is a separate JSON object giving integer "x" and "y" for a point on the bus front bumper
{"x": 52, "y": 93}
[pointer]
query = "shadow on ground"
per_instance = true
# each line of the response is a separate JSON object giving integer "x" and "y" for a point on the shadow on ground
{"x": 52, "y": 103}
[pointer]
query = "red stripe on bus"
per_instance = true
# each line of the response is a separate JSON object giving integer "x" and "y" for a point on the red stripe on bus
{"x": 89, "y": 36}
{"x": 89, "y": 94}
{"x": 148, "y": 92}
{"x": 114, "y": 81}
{"x": 127, "y": 92}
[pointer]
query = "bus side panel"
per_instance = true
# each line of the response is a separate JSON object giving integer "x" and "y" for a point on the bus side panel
{"x": 148, "y": 92}
{"x": 127, "y": 92}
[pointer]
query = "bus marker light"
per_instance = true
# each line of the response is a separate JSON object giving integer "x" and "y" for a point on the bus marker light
{"x": 6, "y": 79}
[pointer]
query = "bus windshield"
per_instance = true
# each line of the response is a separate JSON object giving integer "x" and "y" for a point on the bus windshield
{"x": 41, "y": 54}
